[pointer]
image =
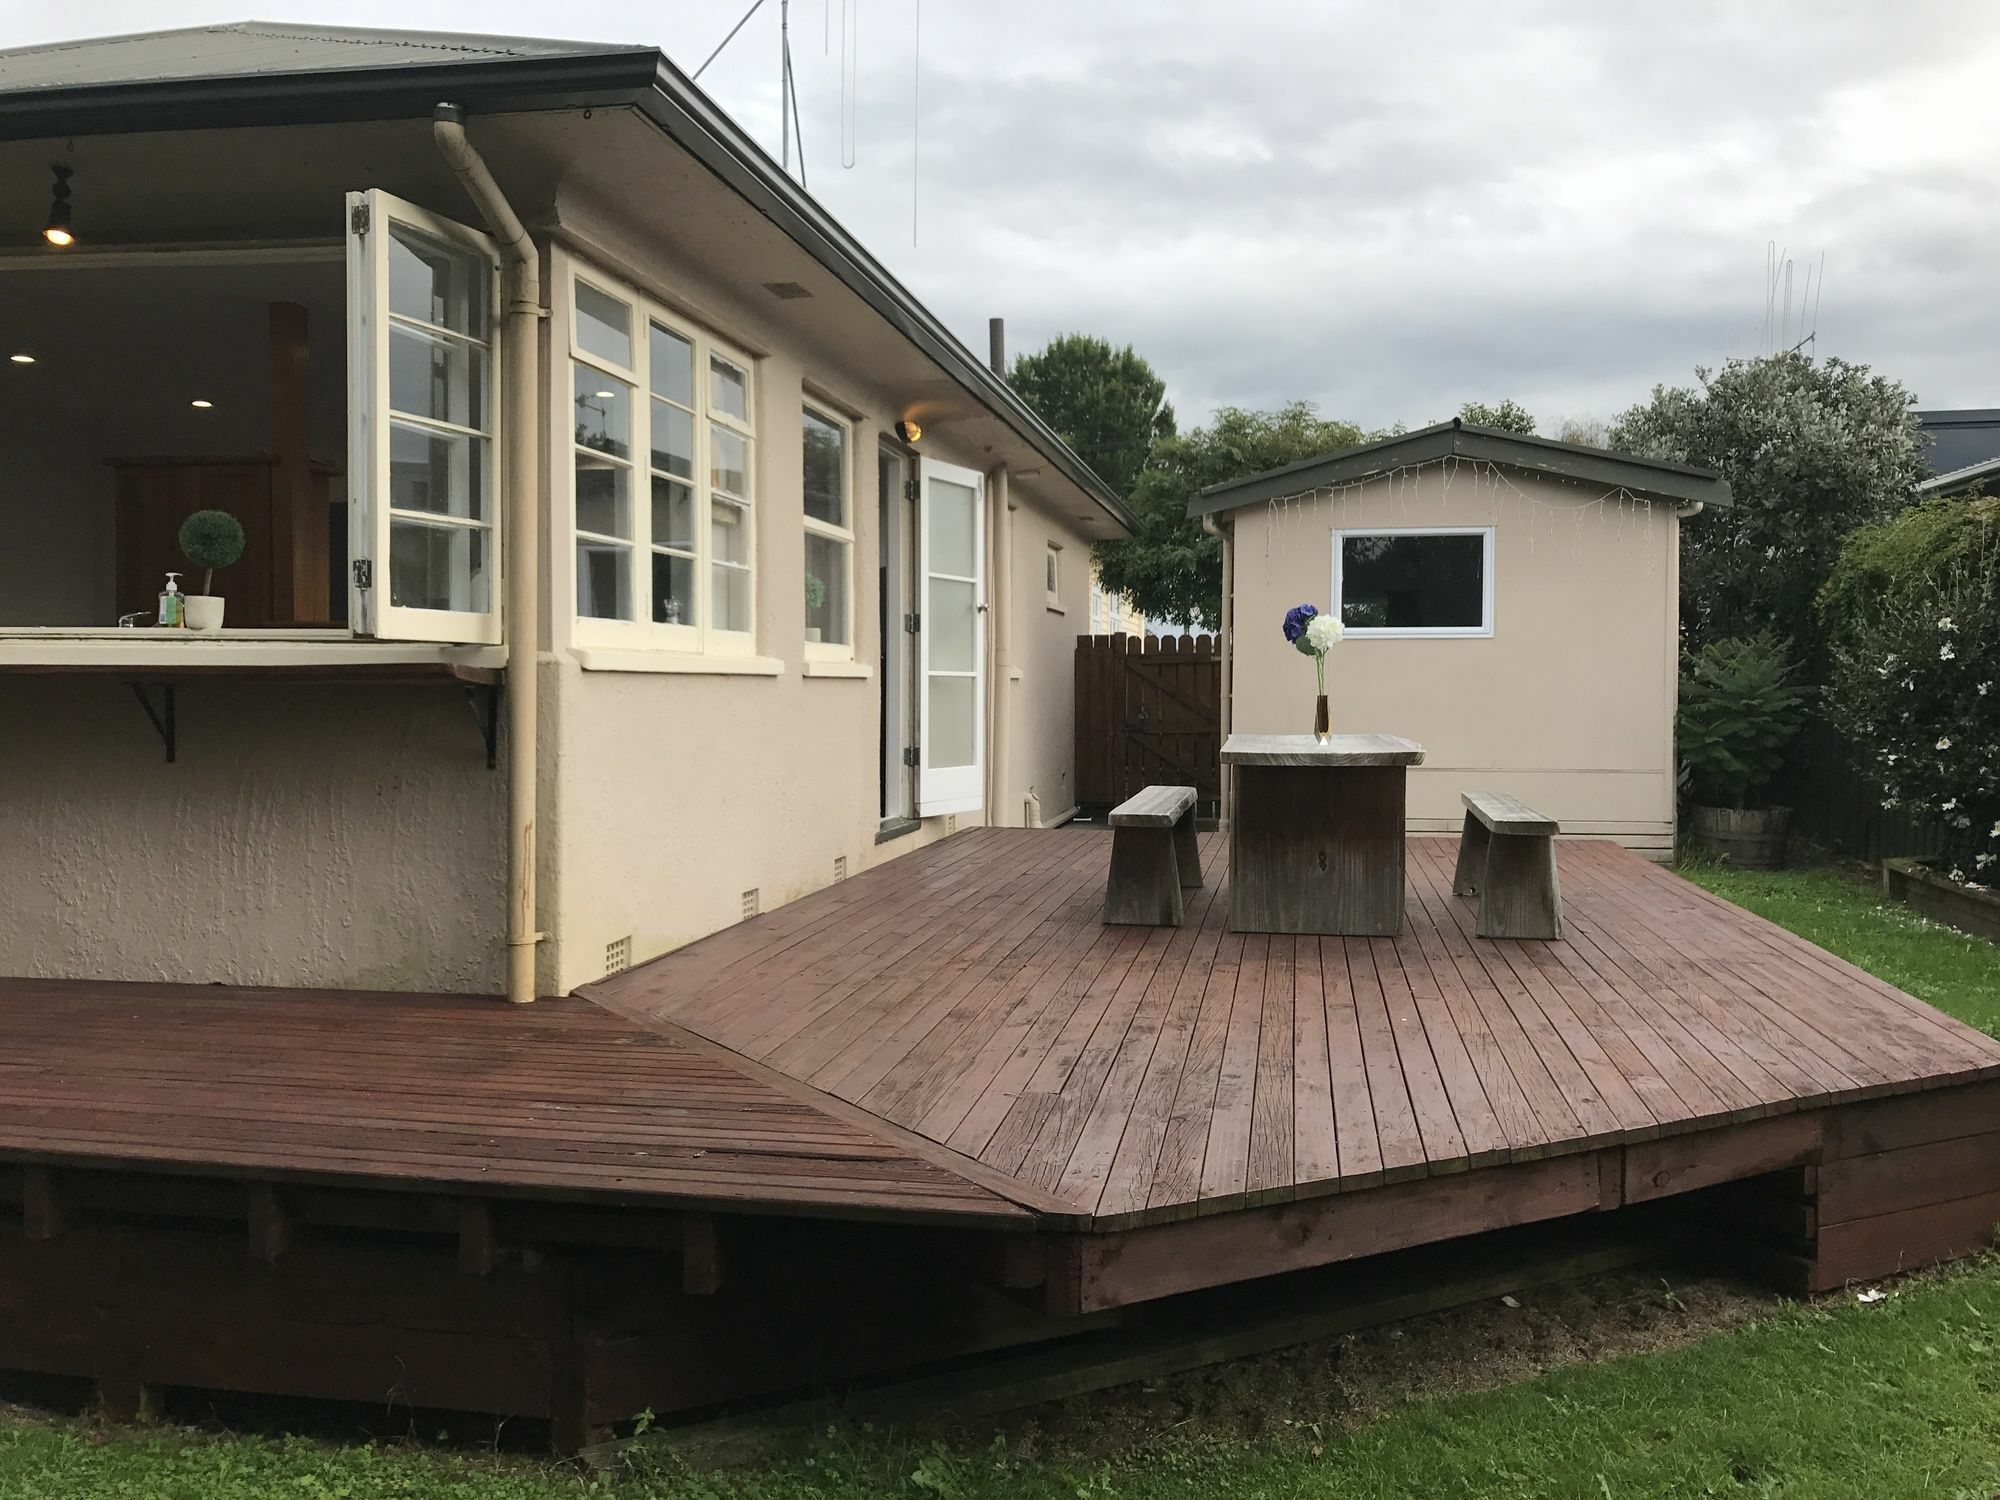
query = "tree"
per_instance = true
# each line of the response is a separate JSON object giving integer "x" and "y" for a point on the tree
{"x": 1508, "y": 416}
{"x": 1584, "y": 432}
{"x": 1170, "y": 568}
{"x": 1106, "y": 403}
{"x": 1811, "y": 450}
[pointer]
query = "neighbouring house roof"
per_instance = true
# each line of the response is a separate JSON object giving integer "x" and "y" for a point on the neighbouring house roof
{"x": 1961, "y": 438}
{"x": 1971, "y": 477}
{"x": 257, "y": 74}
{"x": 1649, "y": 478}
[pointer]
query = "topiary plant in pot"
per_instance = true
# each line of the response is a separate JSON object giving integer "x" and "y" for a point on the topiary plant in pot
{"x": 211, "y": 539}
{"x": 1739, "y": 710}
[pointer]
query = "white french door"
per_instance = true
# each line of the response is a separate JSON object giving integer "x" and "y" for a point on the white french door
{"x": 951, "y": 742}
{"x": 423, "y": 331}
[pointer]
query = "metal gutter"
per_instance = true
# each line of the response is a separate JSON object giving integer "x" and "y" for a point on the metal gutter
{"x": 641, "y": 78}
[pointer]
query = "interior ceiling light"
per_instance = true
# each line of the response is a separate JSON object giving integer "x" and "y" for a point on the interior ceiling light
{"x": 200, "y": 405}
{"x": 22, "y": 359}
{"x": 909, "y": 430}
{"x": 57, "y": 230}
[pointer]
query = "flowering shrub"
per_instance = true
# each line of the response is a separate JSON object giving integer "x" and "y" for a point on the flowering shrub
{"x": 1913, "y": 615}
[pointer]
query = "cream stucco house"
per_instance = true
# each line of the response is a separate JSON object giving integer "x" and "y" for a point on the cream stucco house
{"x": 1510, "y": 602}
{"x": 627, "y": 550}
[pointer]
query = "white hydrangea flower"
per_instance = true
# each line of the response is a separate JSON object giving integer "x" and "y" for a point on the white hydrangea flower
{"x": 1323, "y": 632}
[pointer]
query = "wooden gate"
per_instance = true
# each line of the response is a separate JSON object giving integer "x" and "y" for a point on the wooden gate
{"x": 1148, "y": 710}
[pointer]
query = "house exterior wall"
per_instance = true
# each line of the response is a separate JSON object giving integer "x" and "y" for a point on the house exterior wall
{"x": 306, "y": 835}
{"x": 1569, "y": 704}
{"x": 678, "y": 789}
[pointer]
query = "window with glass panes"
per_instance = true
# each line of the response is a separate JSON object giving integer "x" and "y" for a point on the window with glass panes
{"x": 663, "y": 463}
{"x": 829, "y": 523}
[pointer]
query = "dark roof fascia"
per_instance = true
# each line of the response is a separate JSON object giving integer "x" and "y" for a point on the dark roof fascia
{"x": 640, "y": 77}
{"x": 712, "y": 138}
{"x": 329, "y": 96}
{"x": 1650, "y": 477}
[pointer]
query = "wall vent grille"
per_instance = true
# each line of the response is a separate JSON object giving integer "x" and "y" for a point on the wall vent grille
{"x": 751, "y": 902}
{"x": 618, "y": 955}
{"x": 840, "y": 867}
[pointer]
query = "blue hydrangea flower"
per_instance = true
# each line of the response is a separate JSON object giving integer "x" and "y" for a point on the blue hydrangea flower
{"x": 1296, "y": 620}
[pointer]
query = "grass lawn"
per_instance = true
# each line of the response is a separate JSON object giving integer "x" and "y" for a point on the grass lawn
{"x": 1722, "y": 1394}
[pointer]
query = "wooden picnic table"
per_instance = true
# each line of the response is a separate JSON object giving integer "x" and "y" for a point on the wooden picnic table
{"x": 1316, "y": 832}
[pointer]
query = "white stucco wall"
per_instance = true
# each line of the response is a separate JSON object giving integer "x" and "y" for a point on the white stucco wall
{"x": 1569, "y": 704}
{"x": 306, "y": 835}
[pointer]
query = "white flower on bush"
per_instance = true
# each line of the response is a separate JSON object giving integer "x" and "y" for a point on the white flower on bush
{"x": 1887, "y": 803}
{"x": 1323, "y": 632}
{"x": 1945, "y": 653}
{"x": 1945, "y": 624}
{"x": 1944, "y": 742}
{"x": 1949, "y": 804}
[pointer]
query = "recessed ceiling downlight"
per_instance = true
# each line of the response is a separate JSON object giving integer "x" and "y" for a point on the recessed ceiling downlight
{"x": 21, "y": 359}
{"x": 200, "y": 405}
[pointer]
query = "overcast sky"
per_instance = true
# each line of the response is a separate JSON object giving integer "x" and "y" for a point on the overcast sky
{"x": 1388, "y": 209}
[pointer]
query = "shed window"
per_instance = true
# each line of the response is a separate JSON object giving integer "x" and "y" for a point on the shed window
{"x": 1431, "y": 581}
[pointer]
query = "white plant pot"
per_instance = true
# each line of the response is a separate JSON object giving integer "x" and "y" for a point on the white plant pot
{"x": 203, "y": 611}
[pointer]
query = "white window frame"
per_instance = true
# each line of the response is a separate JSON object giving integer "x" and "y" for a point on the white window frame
{"x": 699, "y": 636}
{"x": 1052, "y": 555}
{"x": 833, "y": 650}
{"x": 370, "y": 516}
{"x": 1413, "y": 632}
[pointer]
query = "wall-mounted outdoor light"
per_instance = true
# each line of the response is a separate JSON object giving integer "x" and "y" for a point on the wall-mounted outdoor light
{"x": 57, "y": 231}
{"x": 909, "y": 431}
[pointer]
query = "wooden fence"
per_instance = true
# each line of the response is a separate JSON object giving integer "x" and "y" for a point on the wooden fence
{"x": 1148, "y": 710}
{"x": 1837, "y": 806}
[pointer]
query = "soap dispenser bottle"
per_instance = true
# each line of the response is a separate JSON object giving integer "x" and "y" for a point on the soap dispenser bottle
{"x": 170, "y": 602}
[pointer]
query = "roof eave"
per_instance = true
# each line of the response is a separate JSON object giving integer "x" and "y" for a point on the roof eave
{"x": 388, "y": 92}
{"x": 640, "y": 77}
{"x": 712, "y": 138}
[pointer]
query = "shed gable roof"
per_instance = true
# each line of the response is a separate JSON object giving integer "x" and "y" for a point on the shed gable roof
{"x": 1649, "y": 478}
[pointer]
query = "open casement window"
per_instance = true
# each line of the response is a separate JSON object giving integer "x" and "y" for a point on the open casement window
{"x": 424, "y": 370}
{"x": 952, "y": 642}
{"x": 662, "y": 448}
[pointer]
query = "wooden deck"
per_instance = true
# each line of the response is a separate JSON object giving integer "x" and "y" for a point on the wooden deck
{"x": 435, "y": 1093}
{"x": 938, "y": 1109}
{"x": 970, "y": 996}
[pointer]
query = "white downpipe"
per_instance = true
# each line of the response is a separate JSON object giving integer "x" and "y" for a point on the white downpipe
{"x": 1001, "y": 623}
{"x": 520, "y": 400}
{"x": 1225, "y": 643}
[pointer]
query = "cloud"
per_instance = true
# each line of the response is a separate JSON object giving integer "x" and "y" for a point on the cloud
{"x": 1385, "y": 209}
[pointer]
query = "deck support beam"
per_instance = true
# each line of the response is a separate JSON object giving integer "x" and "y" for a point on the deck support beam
{"x": 701, "y": 1256}
{"x": 270, "y": 1224}
{"x": 41, "y": 1206}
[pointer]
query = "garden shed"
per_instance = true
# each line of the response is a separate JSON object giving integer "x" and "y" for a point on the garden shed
{"x": 1508, "y": 601}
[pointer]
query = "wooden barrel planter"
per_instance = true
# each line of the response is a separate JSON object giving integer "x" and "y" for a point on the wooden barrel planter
{"x": 1752, "y": 838}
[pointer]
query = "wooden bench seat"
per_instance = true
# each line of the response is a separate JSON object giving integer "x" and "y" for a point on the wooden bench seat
{"x": 1153, "y": 854}
{"x": 1507, "y": 857}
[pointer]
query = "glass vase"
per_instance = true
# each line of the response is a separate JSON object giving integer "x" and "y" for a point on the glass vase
{"x": 1322, "y": 721}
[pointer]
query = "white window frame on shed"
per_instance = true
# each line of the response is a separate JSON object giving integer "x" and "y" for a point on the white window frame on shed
{"x": 699, "y": 635}
{"x": 1481, "y": 631}
{"x": 841, "y": 536}
{"x": 373, "y": 519}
